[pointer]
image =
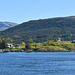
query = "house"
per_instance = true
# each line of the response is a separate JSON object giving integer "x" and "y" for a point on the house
{"x": 10, "y": 44}
{"x": 59, "y": 39}
{"x": 73, "y": 41}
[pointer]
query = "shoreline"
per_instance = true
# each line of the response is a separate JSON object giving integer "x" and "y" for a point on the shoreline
{"x": 37, "y": 51}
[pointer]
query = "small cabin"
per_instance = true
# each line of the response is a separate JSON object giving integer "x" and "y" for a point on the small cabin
{"x": 59, "y": 39}
{"x": 10, "y": 44}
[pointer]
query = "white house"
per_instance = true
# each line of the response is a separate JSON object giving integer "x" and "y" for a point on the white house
{"x": 59, "y": 39}
{"x": 73, "y": 41}
{"x": 10, "y": 44}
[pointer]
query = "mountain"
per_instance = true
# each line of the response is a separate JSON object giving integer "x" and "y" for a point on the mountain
{"x": 43, "y": 29}
{"x": 6, "y": 25}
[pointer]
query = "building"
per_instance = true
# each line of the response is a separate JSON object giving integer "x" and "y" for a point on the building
{"x": 10, "y": 44}
{"x": 73, "y": 41}
{"x": 59, "y": 39}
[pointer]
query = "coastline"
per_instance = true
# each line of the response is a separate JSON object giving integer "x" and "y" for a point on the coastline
{"x": 37, "y": 51}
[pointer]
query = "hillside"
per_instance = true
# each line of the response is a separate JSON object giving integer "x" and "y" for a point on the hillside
{"x": 43, "y": 29}
{"x": 6, "y": 25}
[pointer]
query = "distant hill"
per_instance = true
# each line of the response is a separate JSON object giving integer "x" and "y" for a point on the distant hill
{"x": 6, "y": 25}
{"x": 43, "y": 29}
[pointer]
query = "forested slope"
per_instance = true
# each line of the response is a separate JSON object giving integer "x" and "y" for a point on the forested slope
{"x": 43, "y": 29}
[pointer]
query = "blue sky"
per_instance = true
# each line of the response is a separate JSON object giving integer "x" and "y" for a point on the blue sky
{"x": 19, "y": 11}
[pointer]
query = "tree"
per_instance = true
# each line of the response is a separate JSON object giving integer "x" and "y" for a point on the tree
{"x": 28, "y": 46}
{"x": 30, "y": 41}
{"x": 3, "y": 43}
{"x": 23, "y": 43}
{"x": 35, "y": 45}
{"x": 9, "y": 39}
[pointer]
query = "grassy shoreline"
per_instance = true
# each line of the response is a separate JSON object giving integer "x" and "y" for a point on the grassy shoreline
{"x": 48, "y": 46}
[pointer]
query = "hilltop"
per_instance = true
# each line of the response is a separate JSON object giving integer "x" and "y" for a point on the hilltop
{"x": 6, "y": 25}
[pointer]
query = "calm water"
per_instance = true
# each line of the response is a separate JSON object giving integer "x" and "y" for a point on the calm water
{"x": 37, "y": 63}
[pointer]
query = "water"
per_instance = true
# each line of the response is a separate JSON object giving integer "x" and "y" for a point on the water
{"x": 37, "y": 63}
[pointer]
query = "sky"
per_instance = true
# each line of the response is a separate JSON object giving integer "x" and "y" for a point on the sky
{"x": 19, "y": 11}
